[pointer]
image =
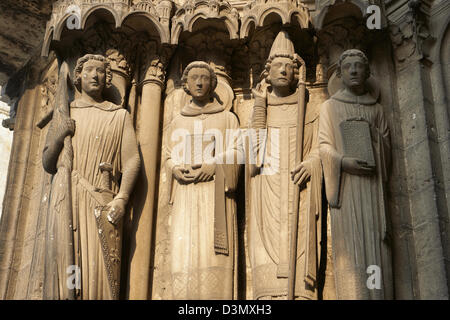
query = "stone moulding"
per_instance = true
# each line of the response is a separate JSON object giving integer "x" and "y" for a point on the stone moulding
{"x": 185, "y": 17}
{"x": 258, "y": 10}
{"x": 361, "y": 4}
{"x": 158, "y": 15}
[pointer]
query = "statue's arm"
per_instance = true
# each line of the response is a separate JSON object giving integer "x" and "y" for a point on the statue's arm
{"x": 55, "y": 142}
{"x": 130, "y": 160}
{"x": 330, "y": 157}
{"x": 385, "y": 150}
{"x": 258, "y": 122}
{"x": 234, "y": 153}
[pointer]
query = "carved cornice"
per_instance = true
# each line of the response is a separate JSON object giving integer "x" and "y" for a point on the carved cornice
{"x": 257, "y": 11}
{"x": 192, "y": 10}
{"x": 157, "y": 12}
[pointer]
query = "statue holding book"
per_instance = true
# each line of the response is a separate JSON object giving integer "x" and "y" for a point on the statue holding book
{"x": 203, "y": 150}
{"x": 355, "y": 152}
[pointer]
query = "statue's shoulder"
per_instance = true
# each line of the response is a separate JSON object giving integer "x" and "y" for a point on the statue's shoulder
{"x": 328, "y": 103}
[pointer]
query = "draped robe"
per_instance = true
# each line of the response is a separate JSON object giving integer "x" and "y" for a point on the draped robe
{"x": 359, "y": 225}
{"x": 98, "y": 138}
{"x": 272, "y": 201}
{"x": 198, "y": 269}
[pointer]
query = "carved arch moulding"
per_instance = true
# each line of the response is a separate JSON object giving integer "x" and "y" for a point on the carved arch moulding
{"x": 157, "y": 12}
{"x": 256, "y": 12}
{"x": 170, "y": 18}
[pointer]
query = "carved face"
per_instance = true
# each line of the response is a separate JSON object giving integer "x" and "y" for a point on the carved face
{"x": 93, "y": 77}
{"x": 353, "y": 71}
{"x": 199, "y": 83}
{"x": 281, "y": 73}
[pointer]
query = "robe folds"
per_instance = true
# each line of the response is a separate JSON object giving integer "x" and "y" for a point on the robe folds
{"x": 203, "y": 251}
{"x": 359, "y": 224}
{"x": 98, "y": 138}
{"x": 272, "y": 200}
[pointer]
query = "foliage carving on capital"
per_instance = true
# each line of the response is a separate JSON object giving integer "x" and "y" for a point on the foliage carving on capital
{"x": 410, "y": 35}
{"x": 153, "y": 60}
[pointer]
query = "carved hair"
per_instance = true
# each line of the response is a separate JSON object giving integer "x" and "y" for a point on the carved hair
{"x": 353, "y": 53}
{"x": 199, "y": 64}
{"x": 86, "y": 58}
{"x": 295, "y": 60}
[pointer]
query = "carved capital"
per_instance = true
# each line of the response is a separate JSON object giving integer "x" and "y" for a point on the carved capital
{"x": 153, "y": 63}
{"x": 410, "y": 35}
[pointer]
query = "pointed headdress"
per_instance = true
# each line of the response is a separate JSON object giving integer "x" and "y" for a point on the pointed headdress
{"x": 282, "y": 47}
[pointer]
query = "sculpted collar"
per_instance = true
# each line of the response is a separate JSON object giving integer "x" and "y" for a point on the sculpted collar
{"x": 346, "y": 97}
{"x": 105, "y": 105}
{"x": 191, "y": 110}
{"x": 273, "y": 100}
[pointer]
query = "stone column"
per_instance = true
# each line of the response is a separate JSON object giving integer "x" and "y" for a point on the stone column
{"x": 409, "y": 34}
{"x": 121, "y": 76}
{"x": 148, "y": 135}
{"x": 15, "y": 195}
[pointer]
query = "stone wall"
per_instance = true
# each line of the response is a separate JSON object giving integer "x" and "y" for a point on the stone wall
{"x": 5, "y": 150}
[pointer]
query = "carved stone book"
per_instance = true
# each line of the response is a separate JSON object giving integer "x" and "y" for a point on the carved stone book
{"x": 357, "y": 140}
{"x": 199, "y": 148}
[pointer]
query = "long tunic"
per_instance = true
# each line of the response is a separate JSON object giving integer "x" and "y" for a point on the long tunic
{"x": 272, "y": 202}
{"x": 358, "y": 211}
{"x": 97, "y": 139}
{"x": 198, "y": 271}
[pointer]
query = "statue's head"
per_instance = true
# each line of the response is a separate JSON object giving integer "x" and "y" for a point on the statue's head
{"x": 199, "y": 80}
{"x": 92, "y": 74}
{"x": 283, "y": 65}
{"x": 353, "y": 68}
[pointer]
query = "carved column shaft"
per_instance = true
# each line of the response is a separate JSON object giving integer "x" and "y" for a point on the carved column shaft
{"x": 408, "y": 34}
{"x": 148, "y": 131}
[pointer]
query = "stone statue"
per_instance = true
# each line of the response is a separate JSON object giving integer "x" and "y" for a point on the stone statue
{"x": 203, "y": 208}
{"x": 104, "y": 162}
{"x": 355, "y": 152}
{"x": 278, "y": 175}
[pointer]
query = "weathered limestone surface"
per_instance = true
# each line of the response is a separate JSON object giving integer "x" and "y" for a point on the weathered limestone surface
{"x": 5, "y": 150}
{"x": 149, "y": 43}
{"x": 22, "y": 31}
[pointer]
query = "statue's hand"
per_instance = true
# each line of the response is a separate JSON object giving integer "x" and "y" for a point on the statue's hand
{"x": 357, "y": 166}
{"x": 181, "y": 175}
{"x": 260, "y": 92}
{"x": 69, "y": 128}
{"x": 301, "y": 173}
{"x": 205, "y": 173}
{"x": 116, "y": 211}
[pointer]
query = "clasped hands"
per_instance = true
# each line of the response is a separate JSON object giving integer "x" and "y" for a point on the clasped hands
{"x": 201, "y": 173}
